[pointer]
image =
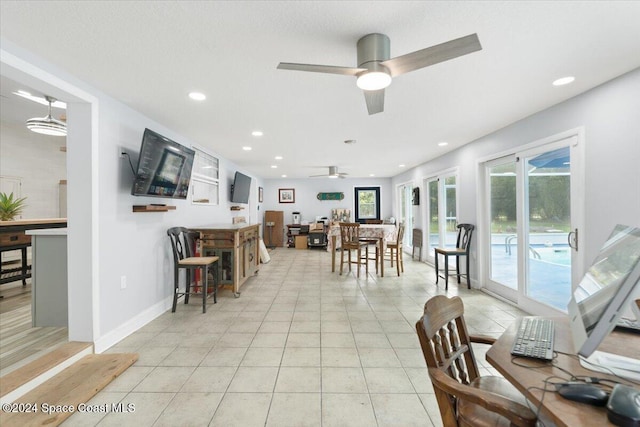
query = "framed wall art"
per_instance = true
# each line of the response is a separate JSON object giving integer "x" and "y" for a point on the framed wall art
{"x": 286, "y": 195}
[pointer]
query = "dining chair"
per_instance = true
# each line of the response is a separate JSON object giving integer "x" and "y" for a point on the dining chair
{"x": 374, "y": 242}
{"x": 350, "y": 240}
{"x": 183, "y": 243}
{"x": 464, "y": 397}
{"x": 463, "y": 245}
{"x": 416, "y": 243}
{"x": 395, "y": 249}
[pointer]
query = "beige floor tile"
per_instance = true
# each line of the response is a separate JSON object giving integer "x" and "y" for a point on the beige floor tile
{"x": 298, "y": 380}
{"x": 256, "y": 356}
{"x": 341, "y": 340}
{"x": 343, "y": 380}
{"x": 300, "y": 356}
{"x": 224, "y": 356}
{"x": 147, "y": 407}
{"x": 378, "y": 357}
{"x": 165, "y": 379}
{"x": 185, "y": 356}
{"x": 295, "y": 410}
{"x": 189, "y": 409}
{"x": 387, "y": 380}
{"x": 242, "y": 410}
{"x": 371, "y": 340}
{"x": 91, "y": 418}
{"x": 206, "y": 379}
{"x": 234, "y": 339}
{"x": 340, "y": 357}
{"x": 399, "y": 410}
{"x": 303, "y": 339}
{"x": 129, "y": 379}
{"x": 254, "y": 379}
{"x": 152, "y": 356}
{"x": 267, "y": 339}
{"x": 347, "y": 410}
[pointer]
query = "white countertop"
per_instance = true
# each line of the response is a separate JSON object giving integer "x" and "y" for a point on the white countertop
{"x": 47, "y": 232}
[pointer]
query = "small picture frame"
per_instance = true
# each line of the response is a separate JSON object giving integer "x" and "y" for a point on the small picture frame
{"x": 286, "y": 195}
{"x": 260, "y": 195}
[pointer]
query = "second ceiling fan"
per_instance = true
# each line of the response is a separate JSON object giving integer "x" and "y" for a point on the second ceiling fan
{"x": 375, "y": 68}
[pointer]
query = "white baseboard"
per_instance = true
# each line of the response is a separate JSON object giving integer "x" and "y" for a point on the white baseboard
{"x": 118, "y": 334}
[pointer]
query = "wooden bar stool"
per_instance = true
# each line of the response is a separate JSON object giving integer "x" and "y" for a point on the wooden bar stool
{"x": 183, "y": 245}
{"x": 463, "y": 244}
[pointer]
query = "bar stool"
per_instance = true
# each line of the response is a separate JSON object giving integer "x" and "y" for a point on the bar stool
{"x": 183, "y": 244}
{"x": 463, "y": 244}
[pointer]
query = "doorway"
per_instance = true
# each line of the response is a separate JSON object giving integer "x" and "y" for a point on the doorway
{"x": 442, "y": 211}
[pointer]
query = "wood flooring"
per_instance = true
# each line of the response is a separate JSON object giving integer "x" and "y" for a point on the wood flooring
{"x": 21, "y": 343}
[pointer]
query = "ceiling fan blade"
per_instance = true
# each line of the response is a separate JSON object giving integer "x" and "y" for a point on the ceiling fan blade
{"x": 375, "y": 100}
{"x": 315, "y": 176}
{"x": 330, "y": 69}
{"x": 433, "y": 55}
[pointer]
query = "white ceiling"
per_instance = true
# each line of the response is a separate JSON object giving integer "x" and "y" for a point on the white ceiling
{"x": 151, "y": 54}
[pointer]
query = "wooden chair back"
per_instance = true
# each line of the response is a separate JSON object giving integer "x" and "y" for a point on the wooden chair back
{"x": 350, "y": 235}
{"x": 178, "y": 246}
{"x": 447, "y": 348}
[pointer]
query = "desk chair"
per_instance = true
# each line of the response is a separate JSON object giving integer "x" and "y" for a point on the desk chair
{"x": 463, "y": 244}
{"x": 395, "y": 249}
{"x": 183, "y": 246}
{"x": 350, "y": 240}
{"x": 464, "y": 397}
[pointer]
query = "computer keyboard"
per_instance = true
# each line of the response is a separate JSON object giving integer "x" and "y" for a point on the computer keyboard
{"x": 534, "y": 338}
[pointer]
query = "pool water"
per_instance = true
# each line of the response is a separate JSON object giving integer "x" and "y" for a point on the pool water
{"x": 553, "y": 254}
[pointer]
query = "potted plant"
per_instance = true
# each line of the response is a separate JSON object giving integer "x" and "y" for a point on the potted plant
{"x": 10, "y": 207}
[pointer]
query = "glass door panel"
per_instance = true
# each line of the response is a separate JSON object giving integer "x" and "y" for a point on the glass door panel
{"x": 450, "y": 209}
{"x": 503, "y": 248}
{"x": 433, "y": 239}
{"x": 548, "y": 224}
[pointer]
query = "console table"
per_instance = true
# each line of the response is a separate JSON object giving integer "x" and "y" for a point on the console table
{"x": 237, "y": 247}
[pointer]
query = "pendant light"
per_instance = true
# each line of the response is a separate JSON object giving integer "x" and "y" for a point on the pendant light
{"x": 47, "y": 125}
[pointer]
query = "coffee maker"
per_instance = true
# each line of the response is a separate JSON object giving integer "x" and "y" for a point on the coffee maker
{"x": 296, "y": 217}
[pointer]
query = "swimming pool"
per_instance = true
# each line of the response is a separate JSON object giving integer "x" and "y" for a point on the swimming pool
{"x": 556, "y": 254}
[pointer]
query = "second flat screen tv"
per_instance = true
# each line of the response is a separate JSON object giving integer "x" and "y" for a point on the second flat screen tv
{"x": 241, "y": 188}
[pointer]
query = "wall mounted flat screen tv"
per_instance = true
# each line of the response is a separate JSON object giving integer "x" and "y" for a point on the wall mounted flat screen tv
{"x": 241, "y": 188}
{"x": 164, "y": 168}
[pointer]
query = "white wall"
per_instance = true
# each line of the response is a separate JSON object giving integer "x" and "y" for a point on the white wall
{"x": 37, "y": 160}
{"x": 610, "y": 116}
{"x": 307, "y": 203}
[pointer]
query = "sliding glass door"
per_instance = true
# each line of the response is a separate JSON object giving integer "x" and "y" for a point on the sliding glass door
{"x": 532, "y": 232}
{"x": 442, "y": 212}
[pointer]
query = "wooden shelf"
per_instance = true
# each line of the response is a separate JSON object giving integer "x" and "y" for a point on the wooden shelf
{"x": 152, "y": 208}
{"x": 237, "y": 208}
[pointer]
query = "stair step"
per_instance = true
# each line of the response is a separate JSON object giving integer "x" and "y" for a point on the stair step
{"x": 29, "y": 372}
{"x": 76, "y": 384}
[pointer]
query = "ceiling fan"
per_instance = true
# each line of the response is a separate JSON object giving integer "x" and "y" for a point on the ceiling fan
{"x": 375, "y": 69}
{"x": 333, "y": 173}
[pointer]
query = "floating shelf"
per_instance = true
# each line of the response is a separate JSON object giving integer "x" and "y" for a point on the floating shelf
{"x": 152, "y": 208}
{"x": 237, "y": 208}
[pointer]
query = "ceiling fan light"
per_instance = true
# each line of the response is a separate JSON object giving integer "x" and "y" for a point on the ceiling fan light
{"x": 333, "y": 176}
{"x": 373, "y": 80}
{"x": 47, "y": 125}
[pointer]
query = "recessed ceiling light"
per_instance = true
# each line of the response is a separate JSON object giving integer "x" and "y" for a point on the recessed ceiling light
{"x": 246, "y": 148}
{"x": 197, "y": 96}
{"x": 284, "y": 176}
{"x": 274, "y": 166}
{"x": 278, "y": 157}
{"x": 372, "y": 174}
{"x": 257, "y": 133}
{"x": 564, "y": 81}
{"x": 401, "y": 166}
{"x": 443, "y": 144}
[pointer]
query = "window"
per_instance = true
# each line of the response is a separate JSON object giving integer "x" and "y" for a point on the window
{"x": 367, "y": 200}
{"x": 205, "y": 179}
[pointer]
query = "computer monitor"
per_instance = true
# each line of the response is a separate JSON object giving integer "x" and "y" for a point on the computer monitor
{"x": 607, "y": 290}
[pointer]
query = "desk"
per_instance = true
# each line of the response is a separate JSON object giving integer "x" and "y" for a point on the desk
{"x": 382, "y": 232}
{"x": 561, "y": 411}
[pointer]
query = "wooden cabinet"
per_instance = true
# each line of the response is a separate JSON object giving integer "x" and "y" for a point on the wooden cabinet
{"x": 237, "y": 246}
{"x": 273, "y": 232}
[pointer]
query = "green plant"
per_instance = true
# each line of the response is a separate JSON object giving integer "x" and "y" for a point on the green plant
{"x": 10, "y": 207}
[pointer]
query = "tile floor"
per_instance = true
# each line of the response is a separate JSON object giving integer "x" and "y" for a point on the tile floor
{"x": 301, "y": 347}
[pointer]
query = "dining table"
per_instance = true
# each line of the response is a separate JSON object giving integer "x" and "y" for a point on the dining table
{"x": 383, "y": 232}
